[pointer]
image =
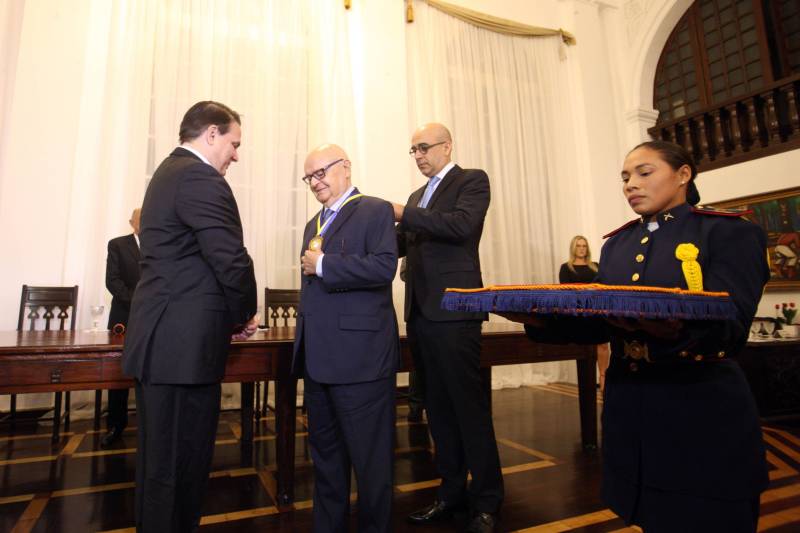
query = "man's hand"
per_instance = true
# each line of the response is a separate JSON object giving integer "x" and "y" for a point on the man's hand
{"x": 308, "y": 263}
{"x": 398, "y": 211}
{"x": 247, "y": 330}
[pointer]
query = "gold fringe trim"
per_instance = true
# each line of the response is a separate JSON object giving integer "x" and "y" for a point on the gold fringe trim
{"x": 589, "y": 287}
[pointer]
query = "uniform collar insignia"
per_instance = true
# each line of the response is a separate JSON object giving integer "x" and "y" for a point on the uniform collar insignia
{"x": 670, "y": 214}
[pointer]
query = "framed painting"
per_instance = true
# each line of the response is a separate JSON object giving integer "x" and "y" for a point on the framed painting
{"x": 779, "y": 214}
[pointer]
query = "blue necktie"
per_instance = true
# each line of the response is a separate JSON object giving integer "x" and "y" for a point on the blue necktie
{"x": 325, "y": 214}
{"x": 426, "y": 197}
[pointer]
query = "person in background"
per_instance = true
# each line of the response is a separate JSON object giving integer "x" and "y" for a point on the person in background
{"x": 197, "y": 290}
{"x": 580, "y": 268}
{"x": 682, "y": 444}
{"x": 122, "y": 275}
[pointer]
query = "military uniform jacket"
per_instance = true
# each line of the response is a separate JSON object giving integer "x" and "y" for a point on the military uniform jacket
{"x": 678, "y": 414}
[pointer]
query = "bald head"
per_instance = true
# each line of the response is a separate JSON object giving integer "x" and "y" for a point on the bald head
{"x": 435, "y": 141}
{"x": 439, "y": 131}
{"x": 135, "y": 220}
{"x": 330, "y": 170}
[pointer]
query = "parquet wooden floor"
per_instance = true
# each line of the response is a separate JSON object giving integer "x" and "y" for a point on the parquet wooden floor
{"x": 552, "y": 485}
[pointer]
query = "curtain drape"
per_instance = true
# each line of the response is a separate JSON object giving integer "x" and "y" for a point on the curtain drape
{"x": 505, "y": 99}
{"x": 92, "y": 96}
{"x": 497, "y": 24}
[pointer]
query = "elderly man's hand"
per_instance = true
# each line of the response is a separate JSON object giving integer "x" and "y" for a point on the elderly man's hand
{"x": 398, "y": 211}
{"x": 308, "y": 263}
{"x": 247, "y": 330}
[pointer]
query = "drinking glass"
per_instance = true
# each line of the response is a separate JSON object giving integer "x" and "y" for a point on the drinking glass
{"x": 97, "y": 312}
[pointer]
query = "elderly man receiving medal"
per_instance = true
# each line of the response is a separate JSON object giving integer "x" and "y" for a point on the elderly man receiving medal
{"x": 347, "y": 345}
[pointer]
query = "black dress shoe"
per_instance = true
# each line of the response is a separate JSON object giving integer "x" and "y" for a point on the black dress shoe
{"x": 113, "y": 435}
{"x": 481, "y": 523}
{"x": 414, "y": 414}
{"x": 436, "y": 512}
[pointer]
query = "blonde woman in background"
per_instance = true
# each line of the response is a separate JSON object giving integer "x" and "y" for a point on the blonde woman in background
{"x": 581, "y": 269}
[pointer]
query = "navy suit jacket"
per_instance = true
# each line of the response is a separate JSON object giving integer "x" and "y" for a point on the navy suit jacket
{"x": 346, "y": 325}
{"x": 122, "y": 275}
{"x": 197, "y": 279}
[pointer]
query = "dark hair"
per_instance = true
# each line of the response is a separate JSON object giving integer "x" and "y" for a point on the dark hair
{"x": 204, "y": 114}
{"x": 676, "y": 156}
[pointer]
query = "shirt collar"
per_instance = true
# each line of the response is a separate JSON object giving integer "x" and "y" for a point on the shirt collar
{"x": 442, "y": 173}
{"x": 338, "y": 204}
{"x": 195, "y": 152}
{"x": 138, "y": 244}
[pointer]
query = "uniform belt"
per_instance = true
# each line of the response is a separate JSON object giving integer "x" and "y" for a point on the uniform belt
{"x": 638, "y": 353}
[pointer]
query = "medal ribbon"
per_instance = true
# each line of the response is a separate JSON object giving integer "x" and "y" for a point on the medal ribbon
{"x": 322, "y": 227}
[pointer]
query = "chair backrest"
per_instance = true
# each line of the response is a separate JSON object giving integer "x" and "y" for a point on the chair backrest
{"x": 280, "y": 304}
{"x": 48, "y": 298}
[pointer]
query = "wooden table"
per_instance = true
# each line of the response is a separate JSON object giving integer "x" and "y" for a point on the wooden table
{"x": 35, "y": 361}
{"x": 772, "y": 368}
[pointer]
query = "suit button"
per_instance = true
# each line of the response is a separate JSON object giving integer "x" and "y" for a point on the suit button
{"x": 635, "y": 277}
{"x": 720, "y": 354}
{"x": 639, "y": 258}
{"x": 683, "y": 353}
{"x": 698, "y": 357}
{"x": 645, "y": 239}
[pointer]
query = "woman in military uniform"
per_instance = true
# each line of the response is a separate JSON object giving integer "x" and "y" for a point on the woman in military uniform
{"x": 682, "y": 444}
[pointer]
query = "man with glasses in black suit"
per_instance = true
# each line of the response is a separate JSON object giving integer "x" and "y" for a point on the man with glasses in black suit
{"x": 438, "y": 231}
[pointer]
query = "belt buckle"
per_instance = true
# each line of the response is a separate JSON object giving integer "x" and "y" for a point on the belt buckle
{"x": 636, "y": 350}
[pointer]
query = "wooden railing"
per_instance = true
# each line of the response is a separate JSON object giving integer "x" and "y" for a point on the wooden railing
{"x": 747, "y": 127}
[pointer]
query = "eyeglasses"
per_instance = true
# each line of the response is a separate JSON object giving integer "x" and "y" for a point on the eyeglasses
{"x": 319, "y": 173}
{"x": 423, "y": 148}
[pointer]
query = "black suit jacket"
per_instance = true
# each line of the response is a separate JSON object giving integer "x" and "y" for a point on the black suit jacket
{"x": 122, "y": 275}
{"x": 346, "y": 327}
{"x": 197, "y": 278}
{"x": 440, "y": 242}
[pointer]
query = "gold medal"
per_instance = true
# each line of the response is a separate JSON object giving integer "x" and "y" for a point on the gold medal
{"x": 315, "y": 244}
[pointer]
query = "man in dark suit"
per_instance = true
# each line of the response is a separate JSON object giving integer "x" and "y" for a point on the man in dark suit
{"x": 122, "y": 275}
{"x": 439, "y": 231}
{"x": 197, "y": 288}
{"x": 347, "y": 345}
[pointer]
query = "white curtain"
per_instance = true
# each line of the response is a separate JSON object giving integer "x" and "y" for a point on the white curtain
{"x": 92, "y": 94}
{"x": 141, "y": 65}
{"x": 506, "y": 101}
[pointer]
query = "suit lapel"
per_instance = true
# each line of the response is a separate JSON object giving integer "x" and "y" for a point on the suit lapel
{"x": 133, "y": 248}
{"x": 345, "y": 212}
{"x": 447, "y": 181}
{"x": 416, "y": 196}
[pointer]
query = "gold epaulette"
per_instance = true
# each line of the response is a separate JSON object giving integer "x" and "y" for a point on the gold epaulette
{"x": 718, "y": 211}
{"x": 622, "y": 227}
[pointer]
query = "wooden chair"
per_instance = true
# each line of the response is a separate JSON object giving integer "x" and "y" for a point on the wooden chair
{"x": 280, "y": 310}
{"x": 48, "y": 299}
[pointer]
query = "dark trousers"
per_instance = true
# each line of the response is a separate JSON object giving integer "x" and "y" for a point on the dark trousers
{"x": 177, "y": 426}
{"x": 117, "y": 409}
{"x": 416, "y": 389}
{"x": 352, "y": 426}
{"x": 458, "y": 410}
